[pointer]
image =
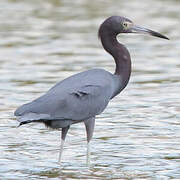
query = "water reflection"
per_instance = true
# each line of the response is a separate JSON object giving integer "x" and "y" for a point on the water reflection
{"x": 137, "y": 136}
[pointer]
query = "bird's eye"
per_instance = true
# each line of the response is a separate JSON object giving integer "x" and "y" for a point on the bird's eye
{"x": 125, "y": 25}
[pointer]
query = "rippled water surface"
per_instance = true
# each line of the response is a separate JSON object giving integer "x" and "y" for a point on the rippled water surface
{"x": 137, "y": 136}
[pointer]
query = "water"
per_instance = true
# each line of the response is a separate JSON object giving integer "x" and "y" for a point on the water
{"x": 137, "y": 136}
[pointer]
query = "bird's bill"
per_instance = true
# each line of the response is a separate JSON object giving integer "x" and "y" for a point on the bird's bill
{"x": 141, "y": 30}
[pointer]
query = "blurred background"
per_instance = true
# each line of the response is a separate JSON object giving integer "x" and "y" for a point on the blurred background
{"x": 137, "y": 136}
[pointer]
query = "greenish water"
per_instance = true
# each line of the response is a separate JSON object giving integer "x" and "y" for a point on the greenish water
{"x": 138, "y": 135}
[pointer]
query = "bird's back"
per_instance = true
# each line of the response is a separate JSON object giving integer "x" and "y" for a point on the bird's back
{"x": 76, "y": 98}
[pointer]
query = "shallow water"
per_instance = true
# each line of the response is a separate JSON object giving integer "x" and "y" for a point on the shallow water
{"x": 137, "y": 136}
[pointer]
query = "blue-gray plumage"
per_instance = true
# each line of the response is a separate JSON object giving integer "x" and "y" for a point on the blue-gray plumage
{"x": 82, "y": 96}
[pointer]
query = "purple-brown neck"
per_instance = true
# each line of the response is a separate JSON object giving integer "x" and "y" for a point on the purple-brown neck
{"x": 119, "y": 53}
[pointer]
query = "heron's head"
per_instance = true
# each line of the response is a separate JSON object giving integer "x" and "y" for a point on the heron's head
{"x": 119, "y": 24}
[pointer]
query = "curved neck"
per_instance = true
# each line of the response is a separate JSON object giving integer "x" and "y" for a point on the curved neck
{"x": 119, "y": 53}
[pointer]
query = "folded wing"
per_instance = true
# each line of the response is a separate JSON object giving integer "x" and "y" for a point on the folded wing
{"x": 76, "y": 98}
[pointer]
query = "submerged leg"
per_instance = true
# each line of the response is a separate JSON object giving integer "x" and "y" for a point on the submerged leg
{"x": 89, "y": 124}
{"x": 63, "y": 136}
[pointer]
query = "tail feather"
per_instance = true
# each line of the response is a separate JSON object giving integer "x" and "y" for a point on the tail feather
{"x": 32, "y": 117}
{"x": 26, "y": 122}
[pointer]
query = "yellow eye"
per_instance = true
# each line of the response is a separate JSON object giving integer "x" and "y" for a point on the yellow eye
{"x": 126, "y": 24}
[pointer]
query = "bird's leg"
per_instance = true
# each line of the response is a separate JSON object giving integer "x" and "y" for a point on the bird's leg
{"x": 89, "y": 124}
{"x": 63, "y": 136}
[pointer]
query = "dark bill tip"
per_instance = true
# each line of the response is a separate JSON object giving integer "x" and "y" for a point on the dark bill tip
{"x": 156, "y": 34}
{"x": 141, "y": 30}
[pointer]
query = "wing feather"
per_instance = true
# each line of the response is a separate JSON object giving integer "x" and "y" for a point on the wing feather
{"x": 77, "y": 98}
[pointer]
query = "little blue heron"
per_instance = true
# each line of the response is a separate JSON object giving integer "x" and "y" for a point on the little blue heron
{"x": 82, "y": 96}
